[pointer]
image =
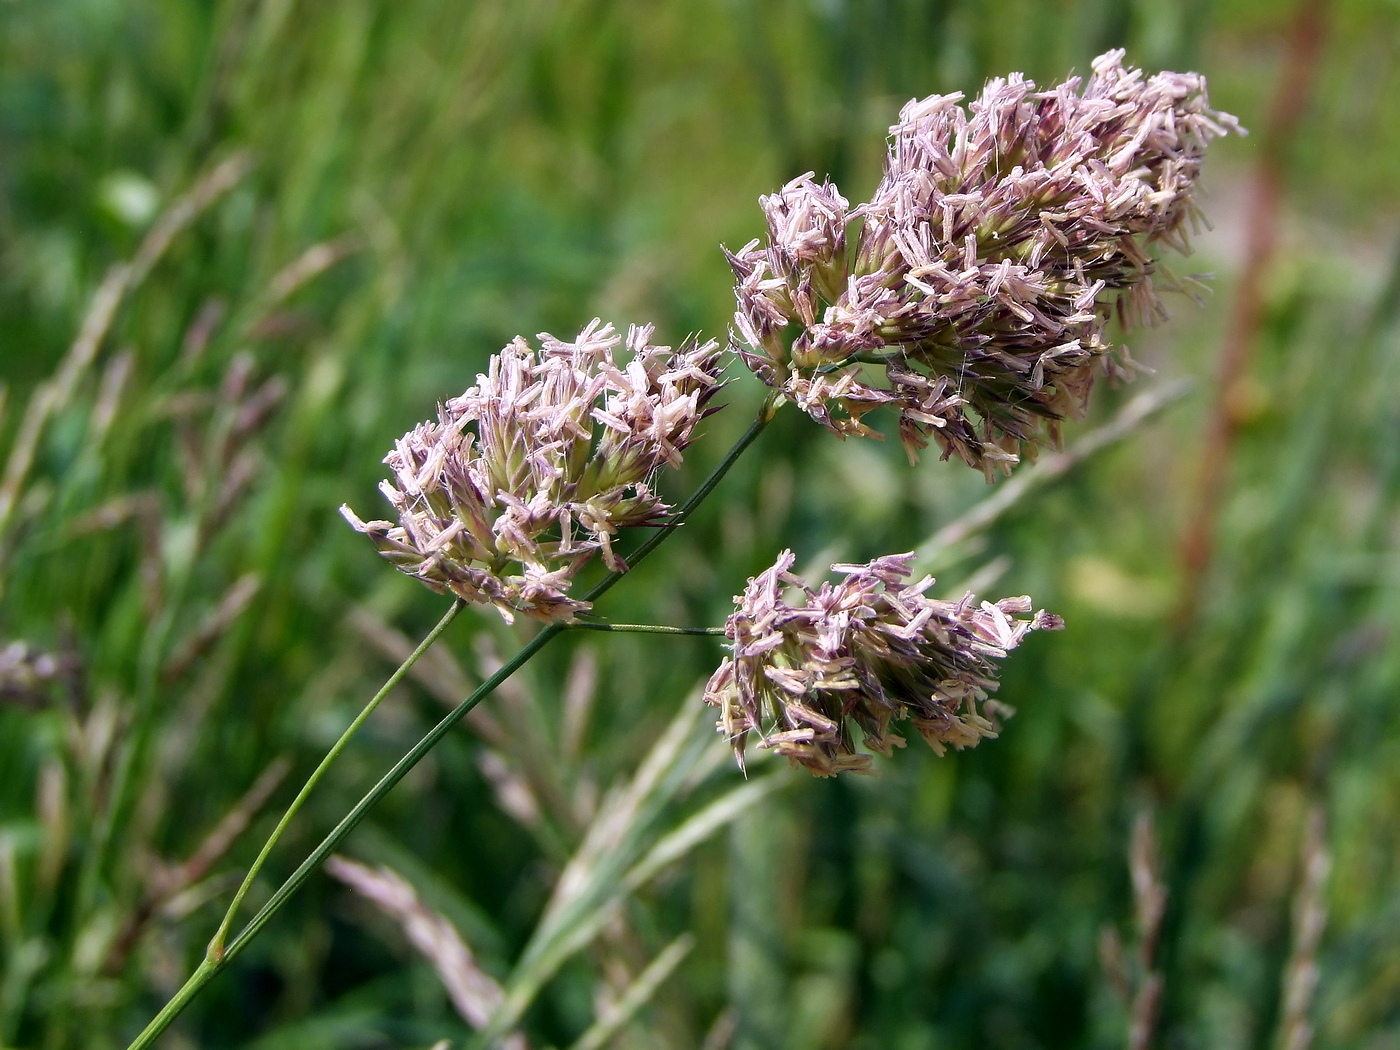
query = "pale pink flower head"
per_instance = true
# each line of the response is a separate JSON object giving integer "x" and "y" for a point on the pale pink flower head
{"x": 528, "y": 474}
{"x": 996, "y": 249}
{"x": 815, "y": 676}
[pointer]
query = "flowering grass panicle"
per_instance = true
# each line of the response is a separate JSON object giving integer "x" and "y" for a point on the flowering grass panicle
{"x": 995, "y": 251}
{"x": 792, "y": 281}
{"x": 869, "y": 650}
{"x": 525, "y": 476}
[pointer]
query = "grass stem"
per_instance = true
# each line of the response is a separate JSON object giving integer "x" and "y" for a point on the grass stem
{"x": 219, "y": 956}
{"x": 643, "y": 628}
{"x": 215, "y": 952}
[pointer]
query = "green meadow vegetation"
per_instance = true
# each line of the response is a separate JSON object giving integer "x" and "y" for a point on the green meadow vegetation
{"x": 245, "y": 245}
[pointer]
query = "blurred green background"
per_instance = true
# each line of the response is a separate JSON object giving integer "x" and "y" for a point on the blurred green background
{"x": 429, "y": 178}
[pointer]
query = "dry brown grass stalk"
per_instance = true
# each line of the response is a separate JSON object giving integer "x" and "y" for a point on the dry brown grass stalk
{"x": 213, "y": 627}
{"x": 52, "y": 396}
{"x": 168, "y": 883}
{"x": 474, "y": 993}
{"x": 1300, "y": 975}
{"x": 1050, "y": 466}
{"x": 1150, "y": 906}
{"x": 1302, "y": 58}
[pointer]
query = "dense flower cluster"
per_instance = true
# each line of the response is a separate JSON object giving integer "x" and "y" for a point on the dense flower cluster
{"x": 525, "y": 476}
{"x": 869, "y": 650}
{"x": 994, "y": 253}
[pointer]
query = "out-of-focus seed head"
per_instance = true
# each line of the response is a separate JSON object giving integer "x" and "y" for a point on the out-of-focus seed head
{"x": 28, "y": 675}
{"x": 524, "y": 477}
{"x": 862, "y": 653}
{"x": 996, "y": 249}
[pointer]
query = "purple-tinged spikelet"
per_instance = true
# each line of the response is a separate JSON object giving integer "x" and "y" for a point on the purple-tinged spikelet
{"x": 869, "y": 650}
{"x": 991, "y": 258}
{"x": 525, "y": 476}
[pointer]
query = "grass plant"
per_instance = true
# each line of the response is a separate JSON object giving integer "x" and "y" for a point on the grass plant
{"x": 247, "y": 244}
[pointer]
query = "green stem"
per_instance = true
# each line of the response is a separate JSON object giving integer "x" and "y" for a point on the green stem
{"x": 212, "y": 966}
{"x": 171, "y": 1010}
{"x": 215, "y": 951}
{"x": 386, "y": 783}
{"x": 642, "y": 628}
{"x": 765, "y": 416}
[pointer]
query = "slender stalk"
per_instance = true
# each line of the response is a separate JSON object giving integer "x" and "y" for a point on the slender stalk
{"x": 643, "y": 628}
{"x": 385, "y": 784}
{"x": 1293, "y": 93}
{"x": 211, "y": 966}
{"x": 765, "y": 416}
{"x": 171, "y": 1010}
{"x": 216, "y": 945}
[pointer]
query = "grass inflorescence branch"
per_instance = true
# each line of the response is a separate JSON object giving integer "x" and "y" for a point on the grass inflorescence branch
{"x": 220, "y": 955}
{"x": 971, "y": 301}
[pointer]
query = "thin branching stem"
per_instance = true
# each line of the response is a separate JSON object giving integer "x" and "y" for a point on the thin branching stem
{"x": 216, "y": 945}
{"x": 642, "y": 628}
{"x": 212, "y": 964}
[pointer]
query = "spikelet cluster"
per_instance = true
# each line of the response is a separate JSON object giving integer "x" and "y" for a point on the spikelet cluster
{"x": 532, "y": 471}
{"x": 862, "y": 653}
{"x": 1000, "y": 242}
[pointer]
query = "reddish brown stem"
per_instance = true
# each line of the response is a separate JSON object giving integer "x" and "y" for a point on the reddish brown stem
{"x": 1290, "y": 102}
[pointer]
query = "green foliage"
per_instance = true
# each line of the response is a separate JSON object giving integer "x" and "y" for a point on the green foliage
{"x": 428, "y": 179}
